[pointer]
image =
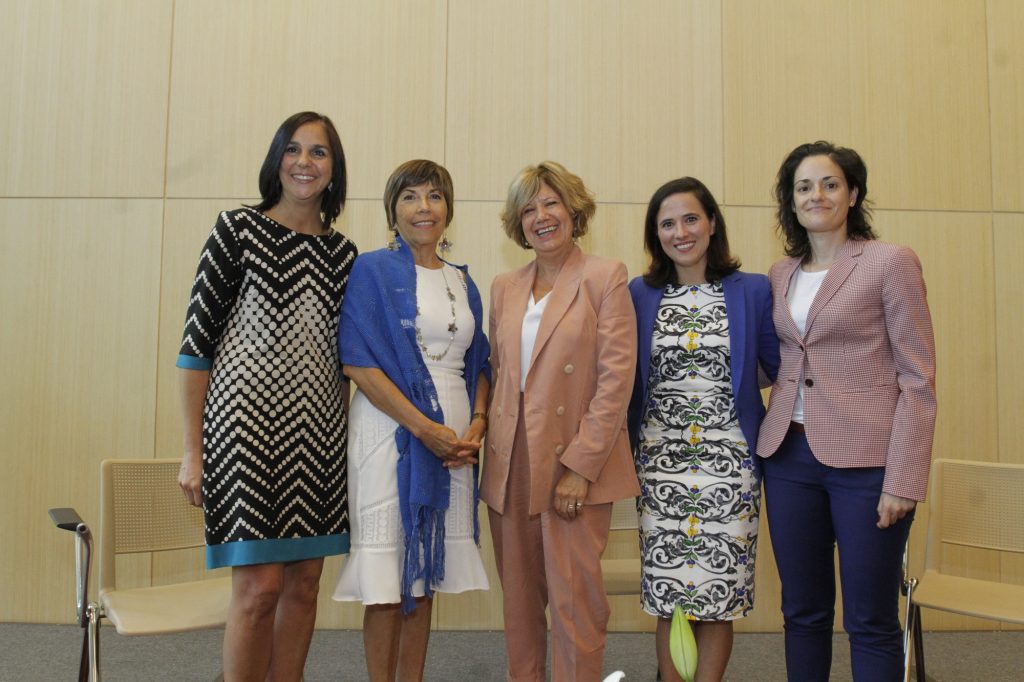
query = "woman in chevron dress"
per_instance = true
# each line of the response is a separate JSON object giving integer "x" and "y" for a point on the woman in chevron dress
{"x": 264, "y": 400}
{"x": 704, "y": 330}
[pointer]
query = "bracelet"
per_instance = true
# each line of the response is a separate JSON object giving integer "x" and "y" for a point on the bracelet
{"x": 478, "y": 414}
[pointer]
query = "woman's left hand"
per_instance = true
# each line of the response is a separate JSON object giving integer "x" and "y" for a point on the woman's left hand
{"x": 570, "y": 492}
{"x": 892, "y": 508}
{"x": 474, "y": 434}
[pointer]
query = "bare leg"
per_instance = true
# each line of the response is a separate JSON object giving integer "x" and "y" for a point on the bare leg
{"x": 412, "y": 656}
{"x": 382, "y": 630}
{"x": 396, "y": 644}
{"x": 296, "y": 616}
{"x": 249, "y": 632}
{"x": 665, "y": 665}
{"x": 714, "y": 645}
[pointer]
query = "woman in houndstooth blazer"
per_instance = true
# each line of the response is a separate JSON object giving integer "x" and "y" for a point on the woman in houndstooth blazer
{"x": 848, "y": 435}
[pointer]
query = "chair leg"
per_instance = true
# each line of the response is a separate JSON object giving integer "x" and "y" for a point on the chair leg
{"x": 94, "y": 642}
{"x": 918, "y": 645}
{"x": 908, "y": 627}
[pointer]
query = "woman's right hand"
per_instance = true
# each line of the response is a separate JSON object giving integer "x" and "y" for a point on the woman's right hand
{"x": 190, "y": 477}
{"x": 448, "y": 447}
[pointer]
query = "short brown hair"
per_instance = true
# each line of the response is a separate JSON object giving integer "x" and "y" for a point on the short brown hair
{"x": 524, "y": 188}
{"x": 413, "y": 173}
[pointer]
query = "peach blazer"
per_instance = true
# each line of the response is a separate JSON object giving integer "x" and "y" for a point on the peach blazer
{"x": 867, "y": 361}
{"x": 578, "y": 386}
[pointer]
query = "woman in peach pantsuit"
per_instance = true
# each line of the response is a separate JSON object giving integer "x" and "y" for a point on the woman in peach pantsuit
{"x": 848, "y": 435}
{"x": 563, "y": 354}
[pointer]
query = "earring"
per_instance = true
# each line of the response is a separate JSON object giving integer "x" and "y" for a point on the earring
{"x": 445, "y": 244}
{"x": 393, "y": 244}
{"x": 330, "y": 186}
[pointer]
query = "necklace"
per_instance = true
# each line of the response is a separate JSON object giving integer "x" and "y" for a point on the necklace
{"x": 452, "y": 327}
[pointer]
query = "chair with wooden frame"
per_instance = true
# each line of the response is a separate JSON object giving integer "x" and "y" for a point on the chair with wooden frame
{"x": 143, "y": 510}
{"x": 976, "y": 505}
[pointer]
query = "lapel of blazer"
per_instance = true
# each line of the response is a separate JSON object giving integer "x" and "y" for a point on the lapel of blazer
{"x": 567, "y": 284}
{"x": 837, "y": 274}
{"x": 785, "y": 274}
{"x": 514, "y": 301}
{"x": 736, "y": 313}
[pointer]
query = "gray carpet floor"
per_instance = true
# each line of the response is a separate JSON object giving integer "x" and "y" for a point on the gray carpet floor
{"x": 50, "y": 652}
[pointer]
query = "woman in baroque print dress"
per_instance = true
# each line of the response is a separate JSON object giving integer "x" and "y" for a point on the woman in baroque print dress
{"x": 704, "y": 331}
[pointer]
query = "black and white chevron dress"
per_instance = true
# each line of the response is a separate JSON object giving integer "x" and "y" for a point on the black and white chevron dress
{"x": 263, "y": 319}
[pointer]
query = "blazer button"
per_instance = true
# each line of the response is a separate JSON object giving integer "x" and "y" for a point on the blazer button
{"x": 569, "y": 369}
{"x": 808, "y": 382}
{"x": 560, "y": 411}
{"x": 499, "y": 410}
{"x": 559, "y": 449}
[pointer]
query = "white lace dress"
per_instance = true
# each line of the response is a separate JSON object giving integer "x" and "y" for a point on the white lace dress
{"x": 371, "y": 573}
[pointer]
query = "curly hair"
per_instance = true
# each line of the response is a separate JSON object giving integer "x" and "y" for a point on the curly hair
{"x": 524, "y": 188}
{"x": 858, "y": 219}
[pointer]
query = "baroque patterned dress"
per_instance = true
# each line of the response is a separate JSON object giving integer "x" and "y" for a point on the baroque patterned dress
{"x": 263, "y": 319}
{"x": 699, "y": 490}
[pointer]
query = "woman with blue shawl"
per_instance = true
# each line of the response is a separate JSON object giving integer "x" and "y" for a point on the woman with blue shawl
{"x": 411, "y": 338}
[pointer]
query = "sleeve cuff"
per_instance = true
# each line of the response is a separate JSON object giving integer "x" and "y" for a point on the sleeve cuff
{"x": 193, "y": 362}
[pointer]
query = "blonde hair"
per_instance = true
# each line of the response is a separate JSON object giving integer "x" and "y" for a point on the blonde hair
{"x": 524, "y": 188}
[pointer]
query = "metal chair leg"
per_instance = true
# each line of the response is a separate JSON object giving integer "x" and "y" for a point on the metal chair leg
{"x": 909, "y": 585}
{"x": 919, "y": 646}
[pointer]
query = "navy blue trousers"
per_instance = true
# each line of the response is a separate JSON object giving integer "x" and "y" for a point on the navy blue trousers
{"x": 812, "y": 508}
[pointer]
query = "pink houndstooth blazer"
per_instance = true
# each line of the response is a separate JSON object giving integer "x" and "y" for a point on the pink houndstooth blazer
{"x": 867, "y": 361}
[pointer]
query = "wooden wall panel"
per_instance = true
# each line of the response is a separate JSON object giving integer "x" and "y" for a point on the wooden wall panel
{"x": 925, "y": 61}
{"x": 240, "y": 68}
{"x": 785, "y": 81}
{"x": 1006, "y": 97}
{"x": 1008, "y": 250}
{"x": 621, "y": 100}
{"x": 79, "y": 290}
{"x": 84, "y": 109}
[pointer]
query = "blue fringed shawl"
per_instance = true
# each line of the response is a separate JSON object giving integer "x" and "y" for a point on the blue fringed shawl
{"x": 377, "y": 329}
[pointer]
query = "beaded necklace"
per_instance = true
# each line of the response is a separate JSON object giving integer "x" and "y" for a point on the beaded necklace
{"x": 452, "y": 327}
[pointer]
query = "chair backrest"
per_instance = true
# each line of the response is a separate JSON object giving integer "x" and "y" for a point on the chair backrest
{"x": 143, "y": 510}
{"x": 975, "y": 504}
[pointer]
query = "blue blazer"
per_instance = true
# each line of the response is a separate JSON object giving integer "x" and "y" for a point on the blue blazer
{"x": 752, "y": 343}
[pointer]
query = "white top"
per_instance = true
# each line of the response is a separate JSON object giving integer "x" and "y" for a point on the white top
{"x": 531, "y": 323}
{"x": 435, "y": 314}
{"x": 802, "y": 290}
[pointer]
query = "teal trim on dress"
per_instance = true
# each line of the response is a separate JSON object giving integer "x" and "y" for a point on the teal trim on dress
{"x": 192, "y": 362}
{"x": 246, "y": 552}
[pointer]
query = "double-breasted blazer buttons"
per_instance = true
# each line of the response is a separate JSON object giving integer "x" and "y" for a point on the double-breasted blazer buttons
{"x": 569, "y": 369}
{"x": 560, "y": 411}
{"x": 559, "y": 449}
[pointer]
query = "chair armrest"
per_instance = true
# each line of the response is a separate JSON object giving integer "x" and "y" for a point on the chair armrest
{"x": 66, "y": 518}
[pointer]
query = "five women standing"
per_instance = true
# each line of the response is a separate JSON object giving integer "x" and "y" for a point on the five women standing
{"x": 846, "y": 442}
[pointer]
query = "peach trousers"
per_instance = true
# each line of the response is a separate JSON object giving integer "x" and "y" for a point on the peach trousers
{"x": 543, "y": 559}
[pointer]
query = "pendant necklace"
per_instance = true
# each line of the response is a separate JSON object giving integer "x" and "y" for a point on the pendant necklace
{"x": 452, "y": 327}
